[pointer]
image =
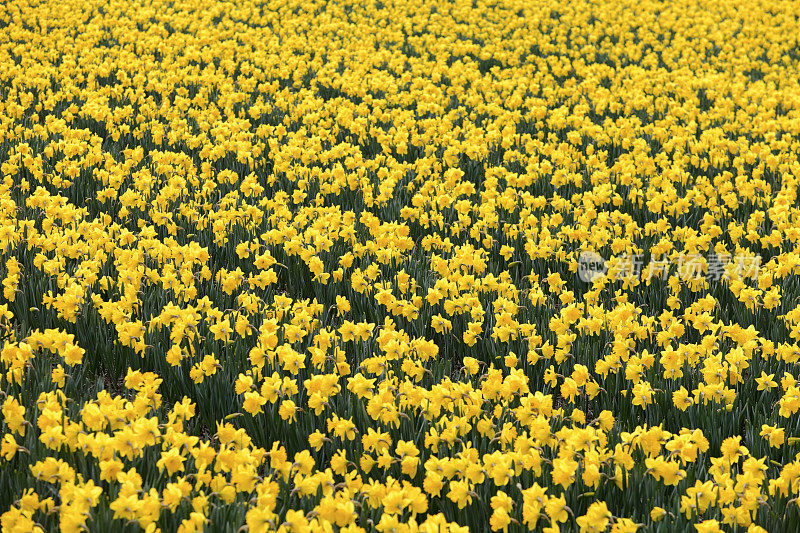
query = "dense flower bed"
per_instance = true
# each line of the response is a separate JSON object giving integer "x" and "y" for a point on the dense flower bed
{"x": 304, "y": 265}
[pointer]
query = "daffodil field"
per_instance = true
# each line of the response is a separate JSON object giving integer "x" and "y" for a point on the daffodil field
{"x": 390, "y": 265}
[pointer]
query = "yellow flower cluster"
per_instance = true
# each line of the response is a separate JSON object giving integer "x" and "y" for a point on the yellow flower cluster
{"x": 320, "y": 266}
